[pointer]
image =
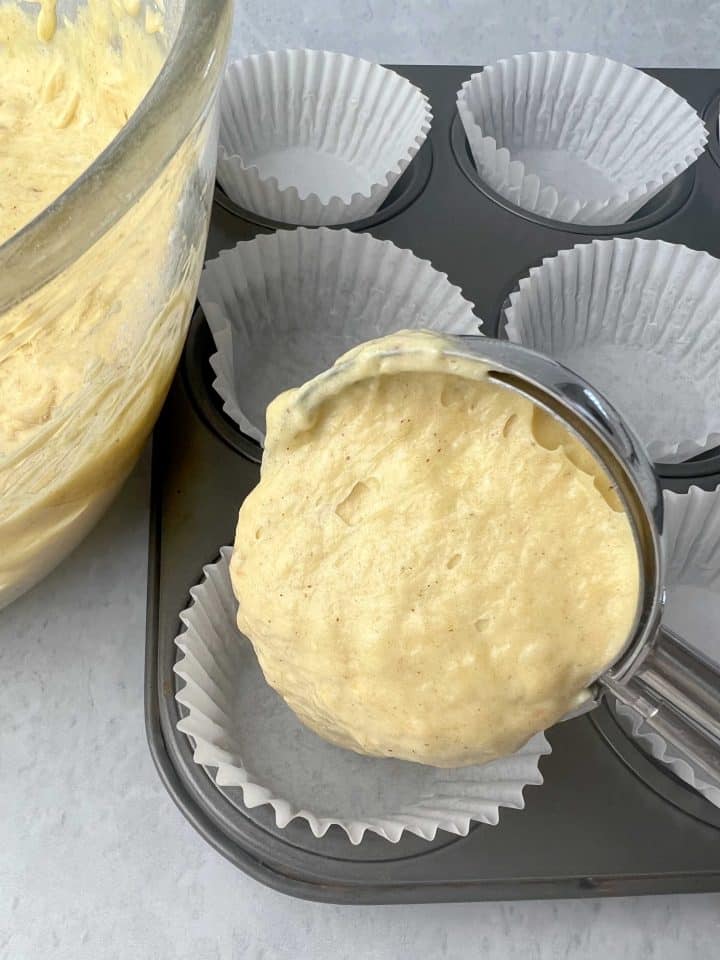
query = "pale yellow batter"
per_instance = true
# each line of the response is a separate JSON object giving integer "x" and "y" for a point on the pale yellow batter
{"x": 430, "y": 567}
{"x": 64, "y": 99}
{"x": 86, "y": 360}
{"x": 65, "y": 95}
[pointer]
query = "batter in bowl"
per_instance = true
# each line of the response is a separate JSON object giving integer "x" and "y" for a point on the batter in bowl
{"x": 66, "y": 94}
{"x": 86, "y": 360}
{"x": 431, "y": 567}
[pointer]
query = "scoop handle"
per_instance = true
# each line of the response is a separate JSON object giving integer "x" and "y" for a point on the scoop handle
{"x": 677, "y": 692}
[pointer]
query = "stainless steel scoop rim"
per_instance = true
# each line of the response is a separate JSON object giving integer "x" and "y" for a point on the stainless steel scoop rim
{"x": 581, "y": 410}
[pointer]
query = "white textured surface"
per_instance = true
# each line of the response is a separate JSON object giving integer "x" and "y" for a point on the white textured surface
{"x": 639, "y": 32}
{"x": 97, "y": 863}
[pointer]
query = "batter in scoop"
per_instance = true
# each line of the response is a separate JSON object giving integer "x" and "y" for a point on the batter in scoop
{"x": 430, "y": 568}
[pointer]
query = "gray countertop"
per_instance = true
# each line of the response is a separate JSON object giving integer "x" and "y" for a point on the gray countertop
{"x": 97, "y": 863}
{"x": 661, "y": 33}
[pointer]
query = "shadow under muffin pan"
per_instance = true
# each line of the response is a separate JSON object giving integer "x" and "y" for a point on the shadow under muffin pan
{"x": 608, "y": 820}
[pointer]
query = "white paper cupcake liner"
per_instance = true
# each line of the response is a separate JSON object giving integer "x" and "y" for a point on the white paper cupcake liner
{"x": 692, "y": 542}
{"x": 244, "y": 731}
{"x": 577, "y": 138}
{"x": 311, "y": 137}
{"x": 285, "y": 306}
{"x": 640, "y": 320}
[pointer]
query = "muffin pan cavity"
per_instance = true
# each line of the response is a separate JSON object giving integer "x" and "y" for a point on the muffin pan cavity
{"x": 657, "y": 209}
{"x": 316, "y": 138}
{"x": 575, "y": 137}
{"x": 407, "y": 189}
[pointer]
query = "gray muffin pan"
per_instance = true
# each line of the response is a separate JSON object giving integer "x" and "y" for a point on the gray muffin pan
{"x": 608, "y": 820}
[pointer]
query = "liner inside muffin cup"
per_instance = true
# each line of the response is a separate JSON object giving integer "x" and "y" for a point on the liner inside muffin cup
{"x": 691, "y": 539}
{"x": 312, "y": 137}
{"x": 285, "y": 306}
{"x": 575, "y": 137}
{"x": 243, "y": 732}
{"x": 640, "y": 320}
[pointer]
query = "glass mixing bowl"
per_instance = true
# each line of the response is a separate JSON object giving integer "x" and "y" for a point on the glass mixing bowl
{"x": 106, "y": 274}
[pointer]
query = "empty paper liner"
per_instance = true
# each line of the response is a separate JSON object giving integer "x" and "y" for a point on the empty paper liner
{"x": 640, "y": 320}
{"x": 285, "y": 306}
{"x": 577, "y": 138}
{"x": 247, "y": 737}
{"x": 311, "y": 137}
{"x": 692, "y": 542}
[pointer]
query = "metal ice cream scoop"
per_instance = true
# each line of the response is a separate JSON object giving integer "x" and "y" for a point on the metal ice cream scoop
{"x": 674, "y": 688}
